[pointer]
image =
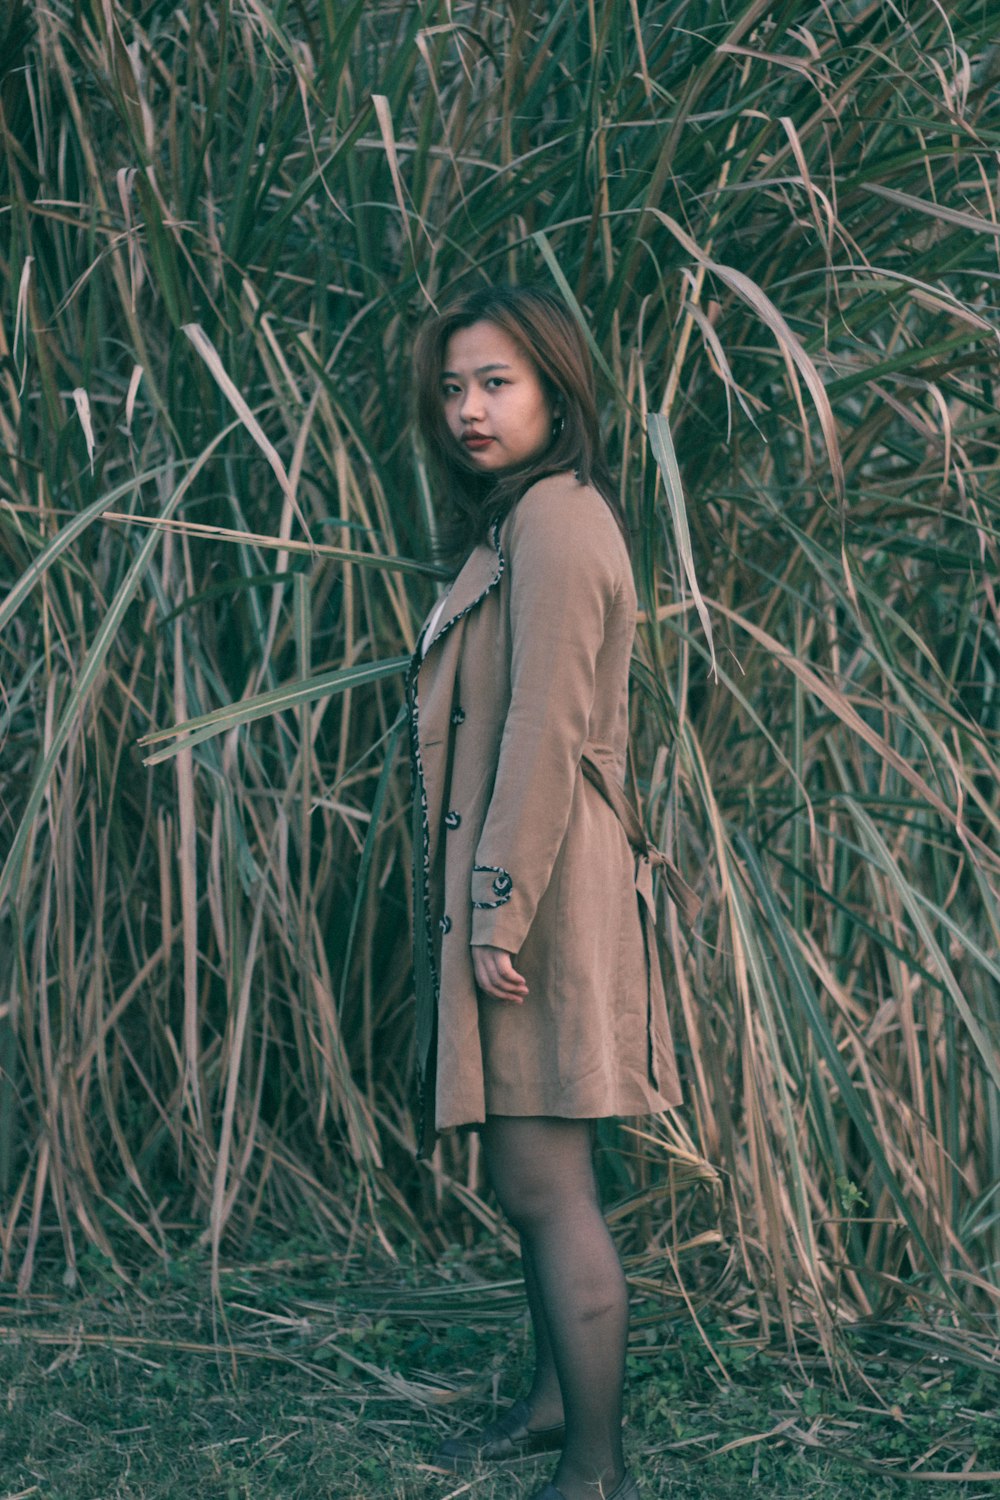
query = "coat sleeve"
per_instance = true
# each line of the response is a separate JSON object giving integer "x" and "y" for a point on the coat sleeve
{"x": 565, "y": 556}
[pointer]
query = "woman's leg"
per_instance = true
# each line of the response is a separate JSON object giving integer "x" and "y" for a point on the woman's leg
{"x": 542, "y": 1172}
{"x": 544, "y": 1399}
{"x": 539, "y": 1413}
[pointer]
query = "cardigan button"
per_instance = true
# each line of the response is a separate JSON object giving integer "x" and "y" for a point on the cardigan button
{"x": 503, "y": 884}
{"x": 445, "y": 924}
{"x": 452, "y": 819}
{"x": 458, "y": 714}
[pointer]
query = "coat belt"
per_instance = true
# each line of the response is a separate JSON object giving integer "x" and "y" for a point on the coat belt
{"x": 648, "y": 856}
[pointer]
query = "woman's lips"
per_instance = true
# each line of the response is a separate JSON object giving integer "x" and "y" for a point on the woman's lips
{"x": 476, "y": 441}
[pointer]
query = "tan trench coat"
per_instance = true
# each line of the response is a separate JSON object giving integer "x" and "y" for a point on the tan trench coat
{"x": 525, "y": 677}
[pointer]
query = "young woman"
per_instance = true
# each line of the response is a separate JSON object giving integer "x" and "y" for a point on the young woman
{"x": 540, "y": 1005}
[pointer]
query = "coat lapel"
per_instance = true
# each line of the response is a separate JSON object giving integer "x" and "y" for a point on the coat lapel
{"x": 481, "y": 571}
{"x": 429, "y": 715}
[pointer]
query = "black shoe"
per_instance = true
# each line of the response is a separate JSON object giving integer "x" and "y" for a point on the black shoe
{"x": 507, "y": 1438}
{"x": 627, "y": 1490}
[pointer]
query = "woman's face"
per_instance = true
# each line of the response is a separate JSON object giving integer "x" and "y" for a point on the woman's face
{"x": 494, "y": 402}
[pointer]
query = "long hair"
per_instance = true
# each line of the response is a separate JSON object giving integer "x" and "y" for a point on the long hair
{"x": 542, "y": 325}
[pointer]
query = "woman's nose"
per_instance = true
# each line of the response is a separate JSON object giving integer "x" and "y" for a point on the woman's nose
{"x": 472, "y": 405}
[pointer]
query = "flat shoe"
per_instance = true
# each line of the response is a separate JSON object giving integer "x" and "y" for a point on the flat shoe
{"x": 507, "y": 1438}
{"x": 627, "y": 1490}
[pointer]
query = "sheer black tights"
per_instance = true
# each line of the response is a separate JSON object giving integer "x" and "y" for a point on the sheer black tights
{"x": 542, "y": 1172}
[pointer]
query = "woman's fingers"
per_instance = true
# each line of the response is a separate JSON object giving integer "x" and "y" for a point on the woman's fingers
{"x": 495, "y": 973}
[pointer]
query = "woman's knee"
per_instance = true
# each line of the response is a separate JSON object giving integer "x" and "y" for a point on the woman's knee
{"x": 527, "y": 1203}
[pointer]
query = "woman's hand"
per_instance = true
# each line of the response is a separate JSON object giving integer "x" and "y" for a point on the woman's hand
{"x": 495, "y": 973}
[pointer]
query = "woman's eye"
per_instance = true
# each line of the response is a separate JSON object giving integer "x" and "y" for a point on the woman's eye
{"x": 496, "y": 380}
{"x": 449, "y": 390}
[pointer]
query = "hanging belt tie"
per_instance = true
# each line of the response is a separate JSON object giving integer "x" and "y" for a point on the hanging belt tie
{"x": 688, "y": 903}
{"x": 648, "y": 856}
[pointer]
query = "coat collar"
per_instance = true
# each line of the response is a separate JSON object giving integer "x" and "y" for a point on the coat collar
{"x": 481, "y": 572}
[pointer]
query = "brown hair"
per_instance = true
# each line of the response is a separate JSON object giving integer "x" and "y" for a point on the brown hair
{"x": 545, "y": 329}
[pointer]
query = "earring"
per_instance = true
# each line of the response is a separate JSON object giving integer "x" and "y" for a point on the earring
{"x": 558, "y": 424}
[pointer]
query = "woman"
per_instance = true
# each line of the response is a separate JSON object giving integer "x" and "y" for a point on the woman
{"x": 539, "y": 999}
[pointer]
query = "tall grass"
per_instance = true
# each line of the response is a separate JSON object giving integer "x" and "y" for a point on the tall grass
{"x": 221, "y": 224}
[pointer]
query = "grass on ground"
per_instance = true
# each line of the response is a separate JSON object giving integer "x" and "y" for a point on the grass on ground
{"x": 318, "y": 1379}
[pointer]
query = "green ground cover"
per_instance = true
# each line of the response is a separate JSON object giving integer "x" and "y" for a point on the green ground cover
{"x": 320, "y": 1379}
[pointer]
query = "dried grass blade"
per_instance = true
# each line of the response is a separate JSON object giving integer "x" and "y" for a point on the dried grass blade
{"x": 820, "y": 1029}
{"x": 275, "y": 700}
{"x": 666, "y": 461}
{"x": 379, "y": 560}
{"x": 204, "y": 346}
{"x": 957, "y": 216}
{"x": 789, "y": 343}
{"x": 916, "y": 908}
{"x": 54, "y": 549}
{"x": 91, "y": 667}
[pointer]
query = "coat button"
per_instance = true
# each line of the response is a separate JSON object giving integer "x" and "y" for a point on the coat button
{"x": 452, "y": 819}
{"x": 445, "y": 924}
{"x": 458, "y": 714}
{"x": 503, "y": 884}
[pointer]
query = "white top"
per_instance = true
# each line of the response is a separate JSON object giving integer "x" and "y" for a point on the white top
{"x": 433, "y": 622}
